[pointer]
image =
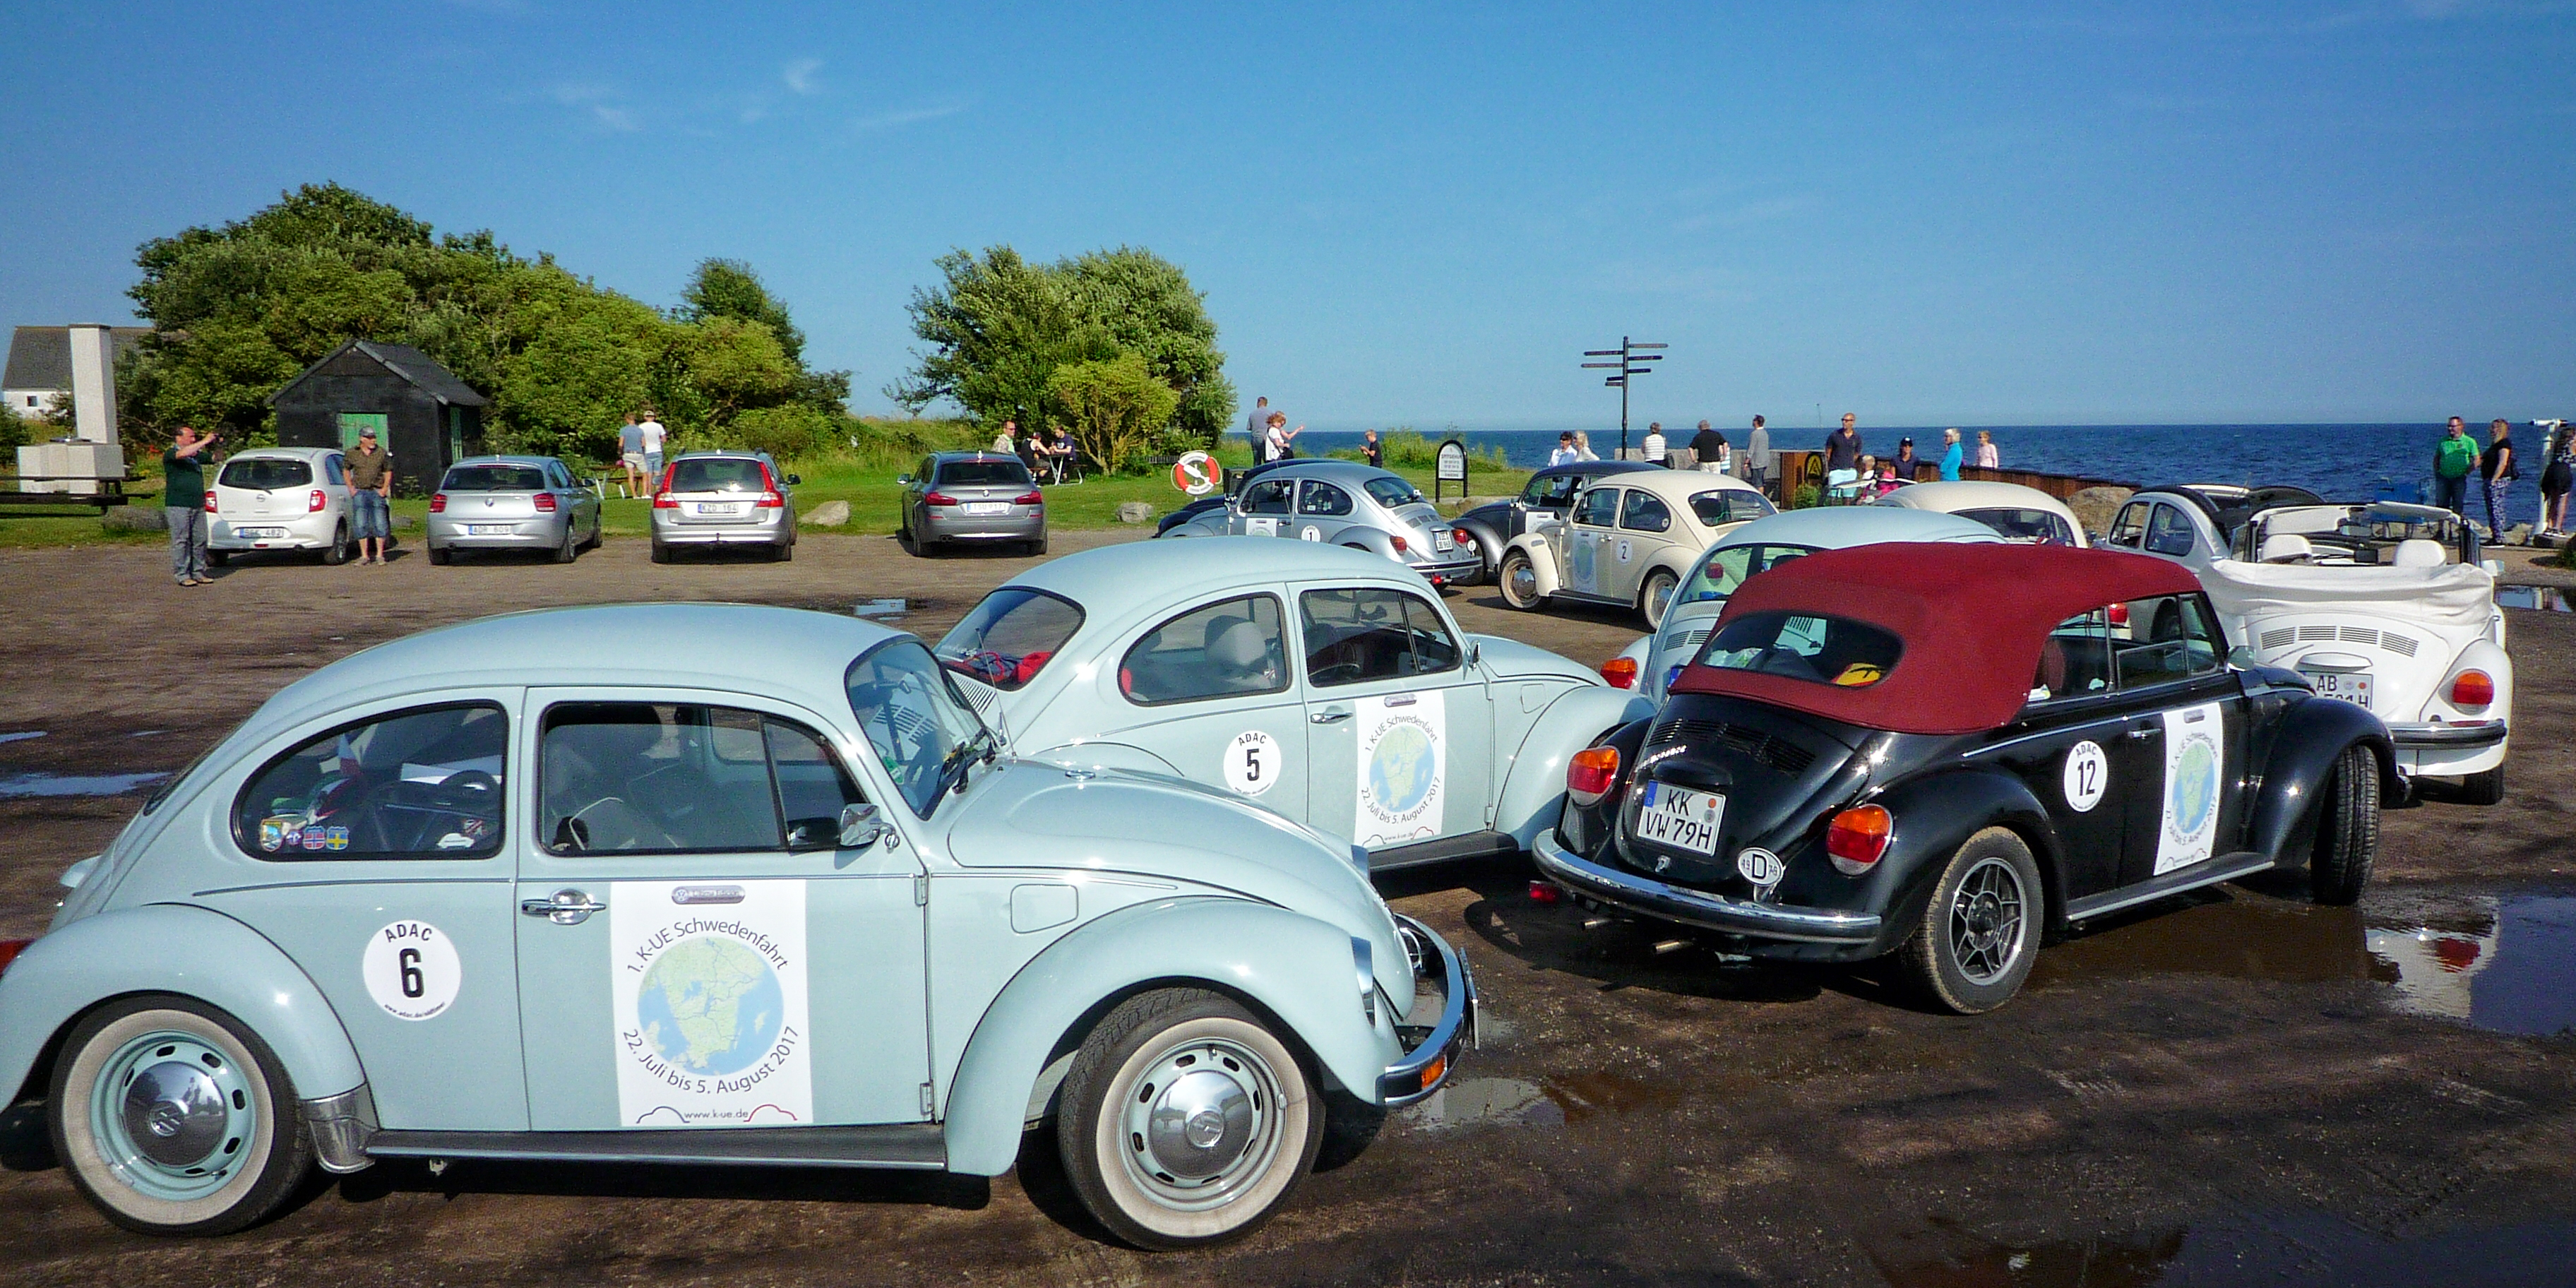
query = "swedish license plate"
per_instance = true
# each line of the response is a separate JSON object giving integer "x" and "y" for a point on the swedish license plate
{"x": 259, "y": 534}
{"x": 719, "y": 509}
{"x": 2351, "y": 686}
{"x": 1681, "y": 818}
{"x": 1442, "y": 541}
{"x": 489, "y": 529}
{"x": 988, "y": 507}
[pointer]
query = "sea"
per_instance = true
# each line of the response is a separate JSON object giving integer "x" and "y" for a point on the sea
{"x": 2343, "y": 462}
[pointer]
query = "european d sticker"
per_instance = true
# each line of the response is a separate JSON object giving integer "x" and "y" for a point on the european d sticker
{"x": 1403, "y": 767}
{"x": 2195, "y": 769}
{"x": 710, "y": 987}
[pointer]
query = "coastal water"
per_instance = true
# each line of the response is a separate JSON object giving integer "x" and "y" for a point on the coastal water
{"x": 2338, "y": 461}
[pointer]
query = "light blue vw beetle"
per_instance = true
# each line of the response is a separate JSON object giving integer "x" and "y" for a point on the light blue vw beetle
{"x": 704, "y": 884}
{"x": 1330, "y": 685}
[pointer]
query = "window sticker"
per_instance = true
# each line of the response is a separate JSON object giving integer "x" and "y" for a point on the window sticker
{"x": 1252, "y": 762}
{"x": 2088, "y": 775}
{"x": 1403, "y": 767}
{"x": 411, "y": 970}
{"x": 711, "y": 1026}
{"x": 2195, "y": 768}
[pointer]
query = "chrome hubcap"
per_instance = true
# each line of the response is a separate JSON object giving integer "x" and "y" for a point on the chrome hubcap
{"x": 1202, "y": 1124}
{"x": 1524, "y": 580}
{"x": 172, "y": 1115}
{"x": 175, "y": 1113}
{"x": 1986, "y": 922}
{"x": 1658, "y": 597}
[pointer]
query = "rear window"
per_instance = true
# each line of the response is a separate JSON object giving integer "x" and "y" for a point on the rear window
{"x": 1391, "y": 491}
{"x": 2038, "y": 527}
{"x": 1726, "y": 567}
{"x": 265, "y": 474}
{"x": 1801, "y": 646}
{"x": 718, "y": 474}
{"x": 983, "y": 474}
{"x": 1009, "y": 637}
{"x": 494, "y": 478}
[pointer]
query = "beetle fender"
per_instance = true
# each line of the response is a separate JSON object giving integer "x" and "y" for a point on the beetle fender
{"x": 1934, "y": 815}
{"x": 2305, "y": 745}
{"x": 1361, "y": 535}
{"x": 1534, "y": 788}
{"x": 173, "y": 948}
{"x": 1542, "y": 558}
{"x": 1296, "y": 967}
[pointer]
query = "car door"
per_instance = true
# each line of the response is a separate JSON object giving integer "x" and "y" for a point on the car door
{"x": 1265, "y": 509}
{"x": 2129, "y": 527}
{"x": 2171, "y": 533}
{"x": 1547, "y": 496}
{"x": 1322, "y": 509}
{"x": 581, "y": 509}
{"x": 1590, "y": 528}
{"x": 1212, "y": 691}
{"x": 1399, "y": 729}
{"x": 695, "y": 950}
{"x": 1645, "y": 528}
{"x": 2072, "y": 746}
{"x": 2186, "y": 802}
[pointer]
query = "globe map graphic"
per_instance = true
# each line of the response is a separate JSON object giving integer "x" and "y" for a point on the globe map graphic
{"x": 2195, "y": 786}
{"x": 1401, "y": 769}
{"x": 710, "y": 1005}
{"x": 1581, "y": 562}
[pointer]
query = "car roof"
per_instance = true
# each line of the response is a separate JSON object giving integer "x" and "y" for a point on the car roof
{"x": 950, "y": 458}
{"x": 1835, "y": 527}
{"x": 506, "y": 460}
{"x": 1589, "y": 468}
{"x": 1677, "y": 484}
{"x": 1953, "y": 495}
{"x": 282, "y": 453}
{"x": 1169, "y": 568}
{"x": 1353, "y": 472}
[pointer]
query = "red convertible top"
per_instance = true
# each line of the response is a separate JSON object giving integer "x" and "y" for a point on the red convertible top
{"x": 1972, "y": 618}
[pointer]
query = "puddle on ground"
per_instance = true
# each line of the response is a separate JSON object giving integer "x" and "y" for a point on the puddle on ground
{"x": 2291, "y": 1248}
{"x": 881, "y": 608}
{"x": 1500, "y": 1102}
{"x": 13, "y": 786}
{"x": 22, "y": 737}
{"x": 2508, "y": 965}
{"x": 2548, "y": 599}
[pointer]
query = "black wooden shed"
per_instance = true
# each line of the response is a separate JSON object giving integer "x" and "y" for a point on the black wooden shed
{"x": 421, "y": 412}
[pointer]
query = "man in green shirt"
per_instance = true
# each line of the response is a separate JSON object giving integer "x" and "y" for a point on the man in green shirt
{"x": 2454, "y": 459}
{"x": 183, "y": 501}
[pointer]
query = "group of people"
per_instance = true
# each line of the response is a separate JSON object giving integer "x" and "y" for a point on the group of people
{"x": 2457, "y": 460}
{"x": 1051, "y": 456}
{"x": 1843, "y": 452}
{"x": 1272, "y": 440}
{"x": 639, "y": 450}
{"x": 368, "y": 467}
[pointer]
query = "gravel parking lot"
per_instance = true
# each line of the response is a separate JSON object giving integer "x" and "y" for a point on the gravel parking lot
{"x": 2232, "y": 1087}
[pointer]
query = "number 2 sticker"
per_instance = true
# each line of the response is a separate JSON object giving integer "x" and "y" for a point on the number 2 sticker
{"x": 2088, "y": 775}
{"x": 411, "y": 970}
{"x": 1252, "y": 762}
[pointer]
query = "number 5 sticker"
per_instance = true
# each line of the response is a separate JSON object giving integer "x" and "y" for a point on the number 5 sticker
{"x": 2088, "y": 774}
{"x": 1252, "y": 762}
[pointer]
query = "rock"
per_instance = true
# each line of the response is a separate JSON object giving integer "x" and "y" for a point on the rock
{"x": 404, "y": 522}
{"x": 1135, "y": 512}
{"x": 2095, "y": 506}
{"x": 2519, "y": 535}
{"x": 135, "y": 518}
{"x": 830, "y": 514}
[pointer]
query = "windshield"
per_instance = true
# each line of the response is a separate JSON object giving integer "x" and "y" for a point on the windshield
{"x": 265, "y": 474}
{"x": 1391, "y": 491}
{"x": 1822, "y": 650}
{"x": 983, "y": 474}
{"x": 923, "y": 733}
{"x": 1726, "y": 567}
{"x": 1009, "y": 636}
{"x": 719, "y": 474}
{"x": 494, "y": 478}
{"x": 1730, "y": 506}
{"x": 2031, "y": 527}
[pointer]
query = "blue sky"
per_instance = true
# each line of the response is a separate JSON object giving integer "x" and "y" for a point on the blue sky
{"x": 1928, "y": 213}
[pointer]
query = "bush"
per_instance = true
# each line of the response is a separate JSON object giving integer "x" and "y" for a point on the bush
{"x": 1411, "y": 450}
{"x": 1114, "y": 406}
{"x": 794, "y": 430}
{"x": 13, "y": 434}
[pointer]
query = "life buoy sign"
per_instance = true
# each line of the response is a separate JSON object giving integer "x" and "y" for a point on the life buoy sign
{"x": 1196, "y": 473}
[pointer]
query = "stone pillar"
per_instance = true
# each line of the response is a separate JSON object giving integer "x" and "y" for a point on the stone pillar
{"x": 93, "y": 383}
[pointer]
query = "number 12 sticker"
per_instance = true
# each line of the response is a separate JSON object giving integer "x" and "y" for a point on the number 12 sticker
{"x": 1252, "y": 762}
{"x": 2088, "y": 774}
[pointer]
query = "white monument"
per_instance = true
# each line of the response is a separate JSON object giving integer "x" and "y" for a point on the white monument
{"x": 91, "y": 457}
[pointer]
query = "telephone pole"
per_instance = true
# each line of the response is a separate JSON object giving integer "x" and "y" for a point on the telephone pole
{"x": 1631, "y": 355}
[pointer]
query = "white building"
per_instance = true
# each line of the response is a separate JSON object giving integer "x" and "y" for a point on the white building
{"x": 41, "y": 368}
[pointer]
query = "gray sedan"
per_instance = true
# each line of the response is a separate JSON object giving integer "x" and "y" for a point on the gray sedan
{"x": 1345, "y": 503}
{"x": 512, "y": 503}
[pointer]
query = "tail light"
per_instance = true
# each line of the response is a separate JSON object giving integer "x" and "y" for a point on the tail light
{"x": 1857, "y": 838}
{"x": 9, "y": 950}
{"x": 669, "y": 472}
{"x": 313, "y": 504}
{"x": 1030, "y": 497}
{"x": 2472, "y": 690}
{"x": 1591, "y": 774}
{"x": 769, "y": 495}
{"x": 1621, "y": 672}
{"x": 1400, "y": 547}
{"x": 2119, "y": 614}
{"x": 438, "y": 503}
{"x": 1544, "y": 892}
{"x": 663, "y": 500}
{"x": 545, "y": 502}
{"x": 210, "y": 500}
{"x": 937, "y": 498}
{"x": 1463, "y": 537}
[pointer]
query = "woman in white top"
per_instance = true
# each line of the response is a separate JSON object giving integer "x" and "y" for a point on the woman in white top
{"x": 1583, "y": 447}
{"x": 1280, "y": 437}
{"x": 1987, "y": 457}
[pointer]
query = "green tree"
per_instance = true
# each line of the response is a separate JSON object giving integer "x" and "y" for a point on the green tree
{"x": 13, "y": 431}
{"x": 1113, "y": 407}
{"x": 728, "y": 288}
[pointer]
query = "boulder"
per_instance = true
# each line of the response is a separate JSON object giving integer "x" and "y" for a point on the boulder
{"x": 830, "y": 514}
{"x": 135, "y": 518}
{"x": 405, "y": 522}
{"x": 2095, "y": 506}
{"x": 1135, "y": 512}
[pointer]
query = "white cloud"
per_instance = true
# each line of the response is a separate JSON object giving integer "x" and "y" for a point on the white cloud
{"x": 799, "y": 75}
{"x": 904, "y": 116}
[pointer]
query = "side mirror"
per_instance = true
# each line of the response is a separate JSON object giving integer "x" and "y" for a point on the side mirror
{"x": 860, "y": 827}
{"x": 2243, "y": 658}
{"x": 794, "y": 480}
{"x": 1475, "y": 653}
{"x": 904, "y": 479}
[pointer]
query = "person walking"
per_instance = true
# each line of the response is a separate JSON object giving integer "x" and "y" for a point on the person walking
{"x": 1757, "y": 456}
{"x": 1950, "y": 454}
{"x": 2557, "y": 478}
{"x": 1909, "y": 466}
{"x": 371, "y": 482}
{"x": 1372, "y": 450}
{"x": 1655, "y": 450}
{"x": 630, "y": 453}
{"x": 1842, "y": 447}
{"x": 2454, "y": 459}
{"x": 1709, "y": 448}
{"x": 652, "y": 434}
{"x": 183, "y": 503}
{"x": 1987, "y": 457}
{"x": 2498, "y": 469}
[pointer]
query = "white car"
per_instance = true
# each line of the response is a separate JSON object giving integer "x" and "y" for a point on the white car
{"x": 1627, "y": 541}
{"x": 279, "y": 498}
{"x": 2386, "y": 605}
{"x": 1650, "y": 663}
{"x": 2024, "y": 515}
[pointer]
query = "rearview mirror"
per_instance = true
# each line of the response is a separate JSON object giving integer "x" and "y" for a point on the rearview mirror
{"x": 860, "y": 827}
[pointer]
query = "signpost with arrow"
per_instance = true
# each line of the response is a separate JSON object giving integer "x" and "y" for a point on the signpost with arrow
{"x": 1632, "y": 357}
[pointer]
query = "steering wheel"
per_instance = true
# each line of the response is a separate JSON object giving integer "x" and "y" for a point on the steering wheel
{"x": 1339, "y": 673}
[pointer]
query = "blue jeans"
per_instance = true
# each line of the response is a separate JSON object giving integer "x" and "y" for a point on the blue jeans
{"x": 368, "y": 516}
{"x": 2452, "y": 494}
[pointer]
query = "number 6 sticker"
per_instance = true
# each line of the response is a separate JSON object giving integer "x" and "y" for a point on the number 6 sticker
{"x": 1252, "y": 762}
{"x": 2088, "y": 775}
{"x": 411, "y": 970}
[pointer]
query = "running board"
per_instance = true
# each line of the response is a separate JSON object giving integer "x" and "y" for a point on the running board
{"x": 2226, "y": 867}
{"x": 912, "y": 1146}
{"x": 1471, "y": 845}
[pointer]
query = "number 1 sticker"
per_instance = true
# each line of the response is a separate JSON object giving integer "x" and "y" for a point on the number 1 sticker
{"x": 1252, "y": 762}
{"x": 2088, "y": 774}
{"x": 411, "y": 970}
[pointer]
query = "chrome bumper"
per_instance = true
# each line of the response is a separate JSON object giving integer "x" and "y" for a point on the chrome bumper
{"x": 1433, "y": 1054}
{"x": 1643, "y": 894}
{"x": 342, "y": 1125}
{"x": 2408, "y": 737}
{"x": 1453, "y": 570}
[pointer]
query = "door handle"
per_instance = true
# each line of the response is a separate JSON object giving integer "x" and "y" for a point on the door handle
{"x": 2144, "y": 731}
{"x": 566, "y": 908}
{"x": 1331, "y": 717}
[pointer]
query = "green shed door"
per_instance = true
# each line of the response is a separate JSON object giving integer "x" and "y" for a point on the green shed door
{"x": 353, "y": 421}
{"x": 455, "y": 435}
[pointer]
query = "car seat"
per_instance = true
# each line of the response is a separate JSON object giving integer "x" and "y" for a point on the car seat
{"x": 1242, "y": 655}
{"x": 2286, "y": 547}
{"x": 2419, "y": 552}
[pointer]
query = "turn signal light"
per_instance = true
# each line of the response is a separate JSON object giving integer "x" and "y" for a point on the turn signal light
{"x": 545, "y": 502}
{"x": 1030, "y": 497}
{"x": 313, "y": 504}
{"x": 2472, "y": 690}
{"x": 9, "y": 950}
{"x": 1591, "y": 774}
{"x": 438, "y": 503}
{"x": 1400, "y": 547}
{"x": 665, "y": 501}
{"x": 1431, "y": 1073}
{"x": 1857, "y": 838}
{"x": 1621, "y": 672}
{"x": 937, "y": 498}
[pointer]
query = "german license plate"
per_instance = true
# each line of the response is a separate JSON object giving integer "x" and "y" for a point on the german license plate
{"x": 1679, "y": 817}
{"x": 719, "y": 509}
{"x": 489, "y": 529}
{"x": 1442, "y": 541}
{"x": 259, "y": 534}
{"x": 988, "y": 507}
{"x": 2351, "y": 686}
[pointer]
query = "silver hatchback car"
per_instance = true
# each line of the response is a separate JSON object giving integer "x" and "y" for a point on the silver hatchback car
{"x": 725, "y": 498}
{"x": 512, "y": 503}
{"x": 1345, "y": 503}
{"x": 965, "y": 498}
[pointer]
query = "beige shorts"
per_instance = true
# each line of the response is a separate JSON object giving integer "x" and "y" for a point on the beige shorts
{"x": 634, "y": 461}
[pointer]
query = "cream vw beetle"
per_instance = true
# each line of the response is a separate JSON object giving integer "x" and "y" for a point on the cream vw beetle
{"x": 518, "y": 889}
{"x": 1328, "y": 684}
{"x": 1629, "y": 540}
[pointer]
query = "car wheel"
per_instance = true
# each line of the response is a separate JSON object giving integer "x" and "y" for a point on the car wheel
{"x": 2347, "y": 829}
{"x": 439, "y": 556}
{"x": 219, "y": 558}
{"x": 172, "y": 1118}
{"x": 1186, "y": 1121}
{"x": 337, "y": 553}
{"x": 1657, "y": 597}
{"x": 1980, "y": 932}
{"x": 1037, "y": 547}
{"x": 1518, "y": 580}
{"x": 781, "y": 554}
{"x": 571, "y": 547}
{"x": 661, "y": 553}
{"x": 2484, "y": 788}
{"x": 596, "y": 535}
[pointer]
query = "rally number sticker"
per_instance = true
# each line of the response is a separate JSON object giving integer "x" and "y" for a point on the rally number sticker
{"x": 1310, "y": 533}
{"x": 1252, "y": 762}
{"x": 2088, "y": 775}
{"x": 412, "y": 970}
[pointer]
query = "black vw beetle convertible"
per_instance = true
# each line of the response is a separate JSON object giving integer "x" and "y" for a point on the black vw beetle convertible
{"x": 1949, "y": 752}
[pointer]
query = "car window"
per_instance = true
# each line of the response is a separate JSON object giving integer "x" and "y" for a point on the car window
{"x": 813, "y": 785}
{"x": 717, "y": 474}
{"x": 2075, "y": 659}
{"x": 1729, "y": 505}
{"x": 1320, "y": 497}
{"x": 562, "y": 476}
{"x": 1726, "y": 567}
{"x": 996, "y": 473}
{"x": 265, "y": 474}
{"x": 1802, "y": 646}
{"x": 2028, "y": 526}
{"x": 1391, "y": 491}
{"x": 1646, "y": 512}
{"x": 1225, "y": 649}
{"x": 654, "y": 778}
{"x": 921, "y": 730}
{"x": 2162, "y": 640}
{"x": 2169, "y": 532}
{"x": 334, "y": 470}
{"x": 2130, "y": 527}
{"x": 1357, "y": 635}
{"x": 1009, "y": 637}
{"x": 425, "y": 783}
{"x": 1552, "y": 490}
{"x": 493, "y": 478}
{"x": 1598, "y": 507}
{"x": 1269, "y": 496}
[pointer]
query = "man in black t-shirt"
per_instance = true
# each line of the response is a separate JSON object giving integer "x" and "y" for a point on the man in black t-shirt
{"x": 1709, "y": 446}
{"x": 183, "y": 500}
{"x": 1842, "y": 447}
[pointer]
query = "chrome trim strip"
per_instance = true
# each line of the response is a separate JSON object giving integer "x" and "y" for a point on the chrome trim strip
{"x": 2428, "y": 735}
{"x": 1697, "y": 907}
{"x": 343, "y": 1126}
{"x": 2229, "y": 867}
{"x": 1401, "y": 1084}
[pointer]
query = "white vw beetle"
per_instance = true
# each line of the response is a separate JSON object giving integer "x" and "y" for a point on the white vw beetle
{"x": 1330, "y": 685}
{"x": 2387, "y": 605}
{"x": 1628, "y": 541}
{"x": 2024, "y": 515}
